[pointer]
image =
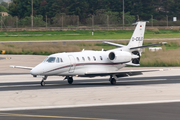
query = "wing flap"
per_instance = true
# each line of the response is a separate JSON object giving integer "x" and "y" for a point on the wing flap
{"x": 123, "y": 73}
{"x": 21, "y": 67}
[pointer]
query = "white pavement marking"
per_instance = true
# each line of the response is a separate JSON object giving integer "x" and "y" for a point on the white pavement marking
{"x": 89, "y": 105}
{"x": 144, "y": 80}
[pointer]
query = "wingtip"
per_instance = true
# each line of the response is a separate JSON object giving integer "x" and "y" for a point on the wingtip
{"x": 12, "y": 66}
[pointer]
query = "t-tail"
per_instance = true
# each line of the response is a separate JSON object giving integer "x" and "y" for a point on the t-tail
{"x": 138, "y": 35}
{"x": 135, "y": 44}
{"x": 136, "y": 39}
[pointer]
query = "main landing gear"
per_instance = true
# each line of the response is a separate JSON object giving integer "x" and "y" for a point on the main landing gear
{"x": 113, "y": 79}
{"x": 69, "y": 79}
{"x": 43, "y": 81}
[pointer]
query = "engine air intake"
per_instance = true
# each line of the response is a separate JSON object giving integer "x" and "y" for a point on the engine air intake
{"x": 112, "y": 56}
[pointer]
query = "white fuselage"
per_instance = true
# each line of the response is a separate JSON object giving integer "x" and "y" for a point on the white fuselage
{"x": 76, "y": 63}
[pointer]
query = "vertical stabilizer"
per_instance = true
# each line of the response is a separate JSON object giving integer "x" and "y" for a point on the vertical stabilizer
{"x": 138, "y": 35}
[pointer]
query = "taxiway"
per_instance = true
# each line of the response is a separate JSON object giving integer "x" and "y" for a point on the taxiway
{"x": 150, "y": 96}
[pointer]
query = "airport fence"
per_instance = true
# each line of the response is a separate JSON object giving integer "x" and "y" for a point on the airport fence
{"x": 72, "y": 22}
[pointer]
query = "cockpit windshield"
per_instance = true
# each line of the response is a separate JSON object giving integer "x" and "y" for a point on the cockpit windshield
{"x": 51, "y": 59}
{"x": 45, "y": 59}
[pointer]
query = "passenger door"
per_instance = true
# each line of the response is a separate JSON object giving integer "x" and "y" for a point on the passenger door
{"x": 72, "y": 64}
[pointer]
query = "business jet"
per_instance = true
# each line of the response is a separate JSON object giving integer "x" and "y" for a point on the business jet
{"x": 88, "y": 63}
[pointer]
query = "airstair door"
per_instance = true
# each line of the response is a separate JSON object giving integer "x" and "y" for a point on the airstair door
{"x": 72, "y": 64}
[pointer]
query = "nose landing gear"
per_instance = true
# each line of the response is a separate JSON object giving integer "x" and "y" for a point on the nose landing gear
{"x": 43, "y": 81}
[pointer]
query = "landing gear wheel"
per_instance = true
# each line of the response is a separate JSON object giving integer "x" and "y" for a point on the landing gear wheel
{"x": 70, "y": 80}
{"x": 113, "y": 81}
{"x": 42, "y": 83}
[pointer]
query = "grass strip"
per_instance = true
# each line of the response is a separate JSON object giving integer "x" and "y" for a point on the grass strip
{"x": 168, "y": 56}
{"x": 83, "y": 34}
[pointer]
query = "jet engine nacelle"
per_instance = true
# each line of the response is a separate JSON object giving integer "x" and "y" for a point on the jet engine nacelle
{"x": 119, "y": 56}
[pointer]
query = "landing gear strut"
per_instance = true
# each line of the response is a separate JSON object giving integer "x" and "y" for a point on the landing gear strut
{"x": 43, "y": 81}
{"x": 113, "y": 79}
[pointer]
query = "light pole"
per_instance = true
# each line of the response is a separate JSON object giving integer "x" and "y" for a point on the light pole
{"x": 108, "y": 21}
{"x": 92, "y": 24}
{"x": 152, "y": 20}
{"x": 46, "y": 21}
{"x": 137, "y": 17}
{"x": 123, "y": 14}
{"x": 32, "y": 14}
{"x": 167, "y": 19}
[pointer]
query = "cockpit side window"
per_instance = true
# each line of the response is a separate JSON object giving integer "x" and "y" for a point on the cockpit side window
{"x": 57, "y": 60}
{"x": 51, "y": 59}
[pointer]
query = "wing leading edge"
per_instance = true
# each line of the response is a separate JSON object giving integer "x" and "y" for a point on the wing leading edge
{"x": 22, "y": 67}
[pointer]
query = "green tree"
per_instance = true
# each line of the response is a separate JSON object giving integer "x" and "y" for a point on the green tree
{"x": 22, "y": 8}
{"x": 3, "y": 9}
{"x": 86, "y": 8}
{"x": 5, "y": 4}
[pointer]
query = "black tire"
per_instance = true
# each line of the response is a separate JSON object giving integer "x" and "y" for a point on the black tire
{"x": 42, "y": 83}
{"x": 113, "y": 81}
{"x": 70, "y": 80}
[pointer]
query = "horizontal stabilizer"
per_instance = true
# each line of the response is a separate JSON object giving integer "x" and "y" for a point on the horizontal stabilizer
{"x": 148, "y": 45}
{"x": 114, "y": 44}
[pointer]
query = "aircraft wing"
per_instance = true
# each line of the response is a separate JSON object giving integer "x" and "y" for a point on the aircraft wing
{"x": 123, "y": 73}
{"x": 21, "y": 67}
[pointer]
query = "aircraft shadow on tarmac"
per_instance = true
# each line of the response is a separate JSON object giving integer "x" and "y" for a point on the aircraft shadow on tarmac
{"x": 89, "y": 83}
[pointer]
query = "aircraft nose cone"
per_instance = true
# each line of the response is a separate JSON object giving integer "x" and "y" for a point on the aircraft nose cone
{"x": 36, "y": 71}
{"x": 33, "y": 72}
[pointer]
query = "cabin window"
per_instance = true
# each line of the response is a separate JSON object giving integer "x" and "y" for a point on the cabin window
{"x": 51, "y": 59}
{"x": 83, "y": 58}
{"x": 77, "y": 58}
{"x": 94, "y": 58}
{"x": 89, "y": 58}
{"x": 101, "y": 58}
